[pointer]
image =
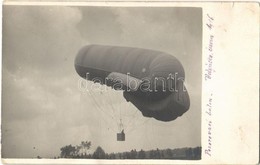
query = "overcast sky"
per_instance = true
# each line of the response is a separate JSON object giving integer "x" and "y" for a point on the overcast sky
{"x": 42, "y": 107}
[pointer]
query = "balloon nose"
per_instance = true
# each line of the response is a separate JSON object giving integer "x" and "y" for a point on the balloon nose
{"x": 79, "y": 60}
{"x": 81, "y": 54}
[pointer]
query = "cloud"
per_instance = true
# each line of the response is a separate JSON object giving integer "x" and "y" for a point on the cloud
{"x": 46, "y": 38}
{"x": 99, "y": 25}
{"x": 39, "y": 80}
{"x": 177, "y": 31}
{"x": 43, "y": 108}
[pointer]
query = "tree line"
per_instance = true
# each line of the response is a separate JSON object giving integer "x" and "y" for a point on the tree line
{"x": 81, "y": 151}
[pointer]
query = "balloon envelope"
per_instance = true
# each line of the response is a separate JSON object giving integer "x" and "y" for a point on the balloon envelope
{"x": 152, "y": 80}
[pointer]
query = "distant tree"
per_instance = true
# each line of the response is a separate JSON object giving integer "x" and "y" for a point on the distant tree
{"x": 68, "y": 151}
{"x": 133, "y": 154}
{"x": 141, "y": 154}
{"x": 120, "y": 156}
{"x": 188, "y": 153}
{"x": 152, "y": 154}
{"x": 157, "y": 154}
{"x": 99, "y": 153}
{"x": 88, "y": 156}
{"x": 112, "y": 155}
{"x": 162, "y": 155}
{"x": 169, "y": 153}
{"x": 197, "y": 152}
{"x": 77, "y": 152}
{"x": 128, "y": 155}
{"x": 107, "y": 156}
{"x": 124, "y": 155}
{"x": 84, "y": 146}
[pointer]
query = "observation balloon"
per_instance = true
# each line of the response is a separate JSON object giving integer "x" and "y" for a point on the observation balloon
{"x": 153, "y": 81}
